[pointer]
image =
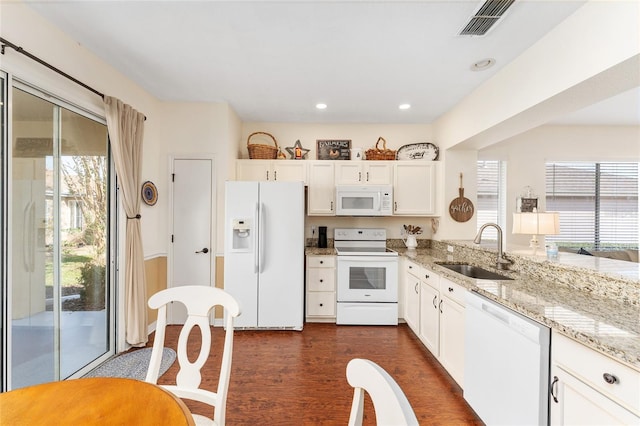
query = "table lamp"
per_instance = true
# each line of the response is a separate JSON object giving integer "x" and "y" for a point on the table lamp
{"x": 536, "y": 223}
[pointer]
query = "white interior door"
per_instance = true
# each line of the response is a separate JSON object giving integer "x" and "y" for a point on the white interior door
{"x": 192, "y": 260}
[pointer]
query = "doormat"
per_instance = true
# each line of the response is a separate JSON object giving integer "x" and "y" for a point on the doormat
{"x": 133, "y": 365}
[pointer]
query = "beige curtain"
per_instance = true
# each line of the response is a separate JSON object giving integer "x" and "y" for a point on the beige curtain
{"x": 126, "y": 128}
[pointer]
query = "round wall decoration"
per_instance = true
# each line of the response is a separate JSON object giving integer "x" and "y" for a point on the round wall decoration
{"x": 149, "y": 193}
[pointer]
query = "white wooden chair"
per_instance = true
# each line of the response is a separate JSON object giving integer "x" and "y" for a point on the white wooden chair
{"x": 390, "y": 403}
{"x": 199, "y": 301}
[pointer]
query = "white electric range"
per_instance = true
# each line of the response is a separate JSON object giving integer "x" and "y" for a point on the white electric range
{"x": 367, "y": 277}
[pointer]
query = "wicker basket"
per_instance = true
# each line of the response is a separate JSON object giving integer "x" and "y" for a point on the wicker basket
{"x": 262, "y": 152}
{"x": 380, "y": 154}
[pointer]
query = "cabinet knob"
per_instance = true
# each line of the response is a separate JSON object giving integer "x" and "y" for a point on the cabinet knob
{"x": 321, "y": 262}
{"x": 322, "y": 304}
{"x": 426, "y": 276}
{"x": 610, "y": 378}
{"x": 450, "y": 289}
{"x": 321, "y": 280}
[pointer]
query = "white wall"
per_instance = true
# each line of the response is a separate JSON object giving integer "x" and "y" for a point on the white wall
{"x": 527, "y": 153}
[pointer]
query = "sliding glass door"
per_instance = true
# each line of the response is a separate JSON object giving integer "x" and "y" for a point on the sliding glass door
{"x": 59, "y": 298}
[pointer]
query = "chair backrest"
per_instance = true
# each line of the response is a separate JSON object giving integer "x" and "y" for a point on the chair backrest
{"x": 199, "y": 301}
{"x": 390, "y": 403}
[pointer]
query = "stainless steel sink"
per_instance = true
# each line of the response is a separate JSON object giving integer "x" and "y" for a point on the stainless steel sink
{"x": 472, "y": 271}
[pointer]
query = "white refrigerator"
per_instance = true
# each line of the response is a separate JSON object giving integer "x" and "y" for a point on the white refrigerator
{"x": 264, "y": 253}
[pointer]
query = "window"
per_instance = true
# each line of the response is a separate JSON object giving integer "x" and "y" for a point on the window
{"x": 491, "y": 190}
{"x": 598, "y": 204}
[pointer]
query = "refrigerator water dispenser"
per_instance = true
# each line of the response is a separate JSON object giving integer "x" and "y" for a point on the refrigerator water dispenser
{"x": 241, "y": 231}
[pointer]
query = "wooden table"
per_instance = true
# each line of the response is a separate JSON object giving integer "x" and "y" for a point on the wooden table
{"x": 93, "y": 401}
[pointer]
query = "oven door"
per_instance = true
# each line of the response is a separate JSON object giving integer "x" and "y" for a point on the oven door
{"x": 367, "y": 279}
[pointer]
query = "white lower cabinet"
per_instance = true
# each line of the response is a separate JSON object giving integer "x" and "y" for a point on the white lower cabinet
{"x": 412, "y": 296}
{"x": 590, "y": 388}
{"x": 430, "y": 317}
{"x": 452, "y": 329}
{"x": 434, "y": 310}
{"x": 321, "y": 289}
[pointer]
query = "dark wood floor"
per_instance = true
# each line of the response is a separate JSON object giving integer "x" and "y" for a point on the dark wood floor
{"x": 298, "y": 378}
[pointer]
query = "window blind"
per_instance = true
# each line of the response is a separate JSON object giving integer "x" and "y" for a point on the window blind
{"x": 490, "y": 203}
{"x": 598, "y": 204}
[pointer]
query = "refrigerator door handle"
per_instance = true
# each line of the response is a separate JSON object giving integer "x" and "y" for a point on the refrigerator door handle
{"x": 256, "y": 259}
{"x": 261, "y": 237}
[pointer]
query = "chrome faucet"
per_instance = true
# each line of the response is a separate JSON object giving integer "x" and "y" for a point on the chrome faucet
{"x": 502, "y": 262}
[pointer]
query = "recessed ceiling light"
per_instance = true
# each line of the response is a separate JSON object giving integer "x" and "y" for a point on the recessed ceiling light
{"x": 483, "y": 64}
{"x": 321, "y": 106}
{"x": 404, "y": 106}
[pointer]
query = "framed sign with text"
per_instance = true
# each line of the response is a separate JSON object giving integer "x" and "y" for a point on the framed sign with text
{"x": 332, "y": 149}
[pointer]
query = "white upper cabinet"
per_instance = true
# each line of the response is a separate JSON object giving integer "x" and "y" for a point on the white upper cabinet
{"x": 414, "y": 188}
{"x": 321, "y": 193}
{"x": 364, "y": 173}
{"x": 271, "y": 170}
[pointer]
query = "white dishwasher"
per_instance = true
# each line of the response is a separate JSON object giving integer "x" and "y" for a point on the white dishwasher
{"x": 506, "y": 364}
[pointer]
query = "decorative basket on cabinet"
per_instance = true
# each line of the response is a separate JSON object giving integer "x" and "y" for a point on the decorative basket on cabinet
{"x": 380, "y": 154}
{"x": 260, "y": 151}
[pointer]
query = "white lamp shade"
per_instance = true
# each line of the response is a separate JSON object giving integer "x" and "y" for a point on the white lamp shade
{"x": 547, "y": 223}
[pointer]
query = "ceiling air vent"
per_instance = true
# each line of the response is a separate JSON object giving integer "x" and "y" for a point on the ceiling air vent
{"x": 487, "y": 15}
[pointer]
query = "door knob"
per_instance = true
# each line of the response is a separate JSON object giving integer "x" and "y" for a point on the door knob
{"x": 204, "y": 250}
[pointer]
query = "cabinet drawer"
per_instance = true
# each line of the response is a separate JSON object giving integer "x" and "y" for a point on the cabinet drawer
{"x": 414, "y": 269}
{"x": 321, "y": 279}
{"x": 430, "y": 278}
{"x": 591, "y": 366}
{"x": 321, "y": 261}
{"x": 321, "y": 303}
{"x": 452, "y": 290}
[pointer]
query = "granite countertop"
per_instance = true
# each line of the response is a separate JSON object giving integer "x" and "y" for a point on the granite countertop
{"x": 316, "y": 251}
{"x": 607, "y": 322}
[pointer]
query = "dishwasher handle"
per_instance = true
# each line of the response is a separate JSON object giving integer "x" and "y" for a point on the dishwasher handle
{"x": 525, "y": 326}
{"x": 496, "y": 313}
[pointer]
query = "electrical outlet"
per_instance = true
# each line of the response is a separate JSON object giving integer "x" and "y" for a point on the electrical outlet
{"x": 313, "y": 230}
{"x": 450, "y": 249}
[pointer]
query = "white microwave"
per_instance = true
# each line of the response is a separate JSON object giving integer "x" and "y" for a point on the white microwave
{"x": 364, "y": 200}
